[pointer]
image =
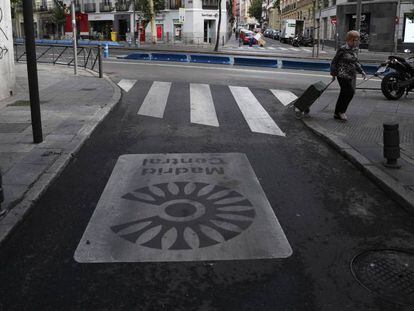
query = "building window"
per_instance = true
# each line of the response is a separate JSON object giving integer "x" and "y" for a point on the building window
{"x": 210, "y": 4}
{"x": 175, "y": 4}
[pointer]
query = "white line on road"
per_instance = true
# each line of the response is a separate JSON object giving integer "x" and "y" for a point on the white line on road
{"x": 295, "y": 49}
{"x": 156, "y": 100}
{"x": 285, "y": 97}
{"x": 283, "y": 49}
{"x": 202, "y": 106}
{"x": 256, "y": 116}
{"x": 306, "y": 50}
{"x": 126, "y": 84}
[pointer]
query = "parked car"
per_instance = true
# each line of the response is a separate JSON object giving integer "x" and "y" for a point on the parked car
{"x": 245, "y": 36}
{"x": 276, "y": 34}
{"x": 268, "y": 32}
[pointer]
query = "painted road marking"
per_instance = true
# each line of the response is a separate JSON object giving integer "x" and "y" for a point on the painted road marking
{"x": 256, "y": 116}
{"x": 182, "y": 207}
{"x": 156, "y": 100}
{"x": 283, "y": 49}
{"x": 202, "y": 106}
{"x": 285, "y": 97}
{"x": 294, "y": 49}
{"x": 306, "y": 50}
{"x": 126, "y": 84}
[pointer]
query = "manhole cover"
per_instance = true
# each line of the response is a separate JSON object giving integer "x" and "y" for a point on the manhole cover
{"x": 388, "y": 273}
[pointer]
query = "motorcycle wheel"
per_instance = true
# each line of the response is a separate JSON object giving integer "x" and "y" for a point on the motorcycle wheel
{"x": 389, "y": 86}
{"x": 295, "y": 43}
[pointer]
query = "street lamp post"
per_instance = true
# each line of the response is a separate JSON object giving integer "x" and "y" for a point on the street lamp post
{"x": 74, "y": 31}
{"x": 397, "y": 24}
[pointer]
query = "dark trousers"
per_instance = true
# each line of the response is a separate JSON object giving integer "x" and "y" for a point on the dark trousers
{"x": 345, "y": 95}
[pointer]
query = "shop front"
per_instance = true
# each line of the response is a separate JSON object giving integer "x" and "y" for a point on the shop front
{"x": 377, "y": 24}
{"x": 101, "y": 26}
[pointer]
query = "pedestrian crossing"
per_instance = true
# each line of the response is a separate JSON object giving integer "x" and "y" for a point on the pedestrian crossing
{"x": 202, "y": 106}
{"x": 306, "y": 50}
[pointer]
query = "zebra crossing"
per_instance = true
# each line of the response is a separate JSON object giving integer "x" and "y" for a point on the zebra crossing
{"x": 272, "y": 49}
{"x": 202, "y": 106}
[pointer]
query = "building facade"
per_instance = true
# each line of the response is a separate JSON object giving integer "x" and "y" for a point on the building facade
{"x": 381, "y": 22}
{"x": 192, "y": 21}
{"x": 7, "y": 73}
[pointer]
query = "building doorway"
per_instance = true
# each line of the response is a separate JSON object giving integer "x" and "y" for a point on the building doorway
{"x": 209, "y": 30}
{"x": 123, "y": 29}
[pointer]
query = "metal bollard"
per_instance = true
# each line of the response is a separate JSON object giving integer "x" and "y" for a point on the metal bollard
{"x": 106, "y": 50}
{"x": 391, "y": 145}
{"x": 2, "y": 211}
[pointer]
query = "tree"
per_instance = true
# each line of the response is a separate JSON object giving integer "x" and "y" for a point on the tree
{"x": 411, "y": 14}
{"x": 59, "y": 16}
{"x": 218, "y": 27}
{"x": 144, "y": 7}
{"x": 255, "y": 9}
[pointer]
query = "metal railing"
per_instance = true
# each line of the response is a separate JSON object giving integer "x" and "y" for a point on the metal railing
{"x": 89, "y": 57}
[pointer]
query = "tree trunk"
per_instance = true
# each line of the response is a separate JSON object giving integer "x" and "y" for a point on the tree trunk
{"x": 218, "y": 28}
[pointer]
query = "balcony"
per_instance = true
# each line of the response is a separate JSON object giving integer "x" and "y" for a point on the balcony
{"x": 106, "y": 7}
{"x": 210, "y": 4}
{"x": 89, "y": 7}
{"x": 121, "y": 6}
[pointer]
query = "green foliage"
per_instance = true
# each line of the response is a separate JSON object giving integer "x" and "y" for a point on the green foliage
{"x": 411, "y": 14}
{"x": 276, "y": 5}
{"x": 144, "y": 7}
{"x": 14, "y": 4}
{"x": 58, "y": 14}
{"x": 255, "y": 9}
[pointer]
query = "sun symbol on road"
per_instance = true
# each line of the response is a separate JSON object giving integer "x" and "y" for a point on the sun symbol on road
{"x": 188, "y": 215}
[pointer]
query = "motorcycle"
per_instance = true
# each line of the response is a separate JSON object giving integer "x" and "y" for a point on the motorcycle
{"x": 398, "y": 75}
{"x": 302, "y": 41}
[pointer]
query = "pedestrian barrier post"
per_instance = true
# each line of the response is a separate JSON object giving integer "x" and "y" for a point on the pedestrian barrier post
{"x": 391, "y": 145}
{"x": 2, "y": 211}
{"x": 100, "y": 61}
{"x": 106, "y": 50}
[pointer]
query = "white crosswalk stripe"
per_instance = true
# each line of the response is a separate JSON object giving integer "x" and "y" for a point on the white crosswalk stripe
{"x": 285, "y": 97}
{"x": 202, "y": 106}
{"x": 256, "y": 116}
{"x": 126, "y": 84}
{"x": 156, "y": 100}
{"x": 203, "y": 111}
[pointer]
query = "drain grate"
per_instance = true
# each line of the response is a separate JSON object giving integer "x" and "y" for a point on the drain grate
{"x": 388, "y": 273}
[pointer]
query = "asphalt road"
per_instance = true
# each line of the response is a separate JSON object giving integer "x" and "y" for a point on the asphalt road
{"x": 327, "y": 209}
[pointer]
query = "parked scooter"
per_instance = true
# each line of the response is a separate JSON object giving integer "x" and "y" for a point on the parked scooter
{"x": 398, "y": 76}
{"x": 299, "y": 40}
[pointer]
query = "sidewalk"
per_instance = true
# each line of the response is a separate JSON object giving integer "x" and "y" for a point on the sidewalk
{"x": 71, "y": 107}
{"x": 360, "y": 139}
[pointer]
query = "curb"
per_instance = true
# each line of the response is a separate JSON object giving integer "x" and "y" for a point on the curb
{"x": 16, "y": 215}
{"x": 379, "y": 177}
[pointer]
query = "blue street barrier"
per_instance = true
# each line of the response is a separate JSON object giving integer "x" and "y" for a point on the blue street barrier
{"x": 370, "y": 69}
{"x": 317, "y": 66}
{"x": 169, "y": 57}
{"x": 141, "y": 56}
{"x": 210, "y": 59}
{"x": 257, "y": 62}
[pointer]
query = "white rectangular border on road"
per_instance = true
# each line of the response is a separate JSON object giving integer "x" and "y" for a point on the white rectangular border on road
{"x": 182, "y": 207}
